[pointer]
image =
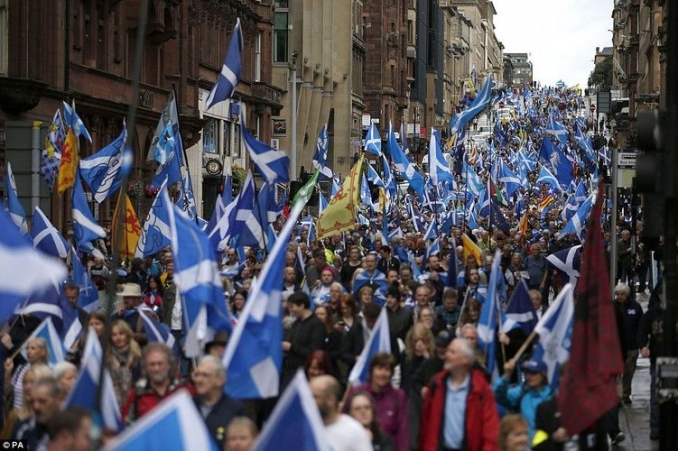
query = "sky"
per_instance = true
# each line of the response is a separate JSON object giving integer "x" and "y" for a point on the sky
{"x": 560, "y": 36}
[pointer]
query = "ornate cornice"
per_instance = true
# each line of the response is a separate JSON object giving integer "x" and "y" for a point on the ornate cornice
{"x": 18, "y": 95}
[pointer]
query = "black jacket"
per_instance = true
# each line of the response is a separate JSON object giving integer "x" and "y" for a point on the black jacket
{"x": 305, "y": 336}
{"x": 220, "y": 416}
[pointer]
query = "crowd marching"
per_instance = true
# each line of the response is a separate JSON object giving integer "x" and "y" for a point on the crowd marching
{"x": 421, "y": 308}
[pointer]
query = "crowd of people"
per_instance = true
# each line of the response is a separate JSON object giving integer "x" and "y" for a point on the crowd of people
{"x": 432, "y": 391}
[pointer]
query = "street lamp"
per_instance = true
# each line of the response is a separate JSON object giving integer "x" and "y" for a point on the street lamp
{"x": 293, "y": 147}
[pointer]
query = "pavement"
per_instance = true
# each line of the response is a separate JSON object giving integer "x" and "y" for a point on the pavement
{"x": 634, "y": 418}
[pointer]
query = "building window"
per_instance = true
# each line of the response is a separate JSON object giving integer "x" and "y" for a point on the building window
{"x": 281, "y": 34}
{"x": 236, "y": 141}
{"x": 226, "y": 139}
{"x": 257, "y": 58}
{"x": 4, "y": 35}
{"x": 210, "y": 142}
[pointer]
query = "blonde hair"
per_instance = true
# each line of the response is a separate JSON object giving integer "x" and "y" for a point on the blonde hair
{"x": 135, "y": 349}
{"x": 243, "y": 422}
{"x": 509, "y": 424}
{"x": 419, "y": 330}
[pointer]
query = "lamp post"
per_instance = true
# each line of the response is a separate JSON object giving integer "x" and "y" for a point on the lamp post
{"x": 293, "y": 147}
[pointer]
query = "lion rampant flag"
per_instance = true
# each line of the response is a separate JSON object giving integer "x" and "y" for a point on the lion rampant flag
{"x": 69, "y": 162}
{"x": 339, "y": 215}
{"x": 131, "y": 228}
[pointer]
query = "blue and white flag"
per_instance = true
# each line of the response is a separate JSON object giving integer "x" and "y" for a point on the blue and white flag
{"x": 520, "y": 310}
{"x": 389, "y": 180}
{"x": 272, "y": 164}
{"x": 561, "y": 165}
{"x": 86, "y": 387}
{"x": 545, "y": 176}
{"x": 163, "y": 139}
{"x": 336, "y": 186}
{"x": 403, "y": 165}
{"x": 576, "y": 223}
{"x": 46, "y": 237}
{"x": 103, "y": 172}
{"x": 16, "y": 210}
{"x": 557, "y": 129}
{"x": 74, "y": 121}
{"x": 365, "y": 195}
{"x": 89, "y": 297}
{"x": 376, "y": 281}
{"x": 509, "y": 179}
{"x": 580, "y": 193}
{"x": 525, "y": 161}
{"x": 373, "y": 141}
{"x": 173, "y": 155}
{"x": 230, "y": 71}
{"x": 197, "y": 277}
{"x": 439, "y": 169}
{"x": 223, "y": 200}
{"x": 555, "y": 333}
{"x": 253, "y": 355}
{"x": 237, "y": 217}
{"x": 482, "y": 100}
{"x": 322, "y": 147}
{"x": 379, "y": 341}
{"x": 156, "y": 331}
{"x": 568, "y": 263}
{"x": 156, "y": 234}
{"x": 186, "y": 199}
{"x": 48, "y": 332}
{"x": 487, "y": 324}
{"x": 373, "y": 177}
{"x": 431, "y": 232}
{"x": 571, "y": 207}
{"x": 295, "y": 423}
{"x": 85, "y": 227}
{"x": 173, "y": 425}
{"x": 473, "y": 180}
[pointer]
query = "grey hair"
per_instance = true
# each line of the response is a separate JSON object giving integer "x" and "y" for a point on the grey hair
{"x": 465, "y": 348}
{"x": 61, "y": 368}
{"x": 216, "y": 363}
{"x": 623, "y": 288}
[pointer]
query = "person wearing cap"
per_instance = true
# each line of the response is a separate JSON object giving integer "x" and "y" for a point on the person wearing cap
{"x": 526, "y": 396}
{"x": 132, "y": 298}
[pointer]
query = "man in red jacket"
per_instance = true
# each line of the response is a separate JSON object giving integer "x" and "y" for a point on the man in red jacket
{"x": 459, "y": 409}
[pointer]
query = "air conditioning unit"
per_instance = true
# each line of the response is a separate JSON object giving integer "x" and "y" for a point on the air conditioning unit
{"x": 275, "y": 143}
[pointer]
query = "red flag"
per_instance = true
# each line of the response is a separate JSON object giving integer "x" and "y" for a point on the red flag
{"x": 588, "y": 389}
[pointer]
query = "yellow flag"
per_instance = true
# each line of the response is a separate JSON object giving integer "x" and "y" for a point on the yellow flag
{"x": 523, "y": 224}
{"x": 131, "y": 228}
{"x": 339, "y": 215}
{"x": 471, "y": 248}
{"x": 69, "y": 162}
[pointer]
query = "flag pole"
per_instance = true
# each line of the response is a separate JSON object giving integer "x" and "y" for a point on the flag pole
{"x": 183, "y": 149}
{"x": 117, "y": 233}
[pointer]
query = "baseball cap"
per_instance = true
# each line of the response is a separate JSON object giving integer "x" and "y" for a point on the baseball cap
{"x": 535, "y": 366}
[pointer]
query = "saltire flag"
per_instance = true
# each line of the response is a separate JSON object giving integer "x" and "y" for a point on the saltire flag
{"x": 561, "y": 165}
{"x": 88, "y": 299}
{"x": 85, "y": 227}
{"x": 295, "y": 423}
{"x": 267, "y": 213}
{"x": 482, "y": 100}
{"x": 55, "y": 348}
{"x": 403, "y": 165}
{"x": 69, "y": 162}
{"x": 580, "y": 193}
{"x": 46, "y": 237}
{"x": 373, "y": 141}
{"x": 509, "y": 179}
{"x": 16, "y": 210}
{"x": 86, "y": 386}
{"x": 588, "y": 390}
{"x": 439, "y": 170}
{"x": 379, "y": 341}
{"x": 173, "y": 425}
{"x": 130, "y": 227}
{"x": 322, "y": 202}
{"x": 568, "y": 263}
{"x": 555, "y": 334}
{"x": 228, "y": 226}
{"x": 103, "y": 172}
{"x": 243, "y": 225}
{"x": 604, "y": 156}
{"x": 186, "y": 199}
{"x": 339, "y": 215}
{"x": 365, "y": 195}
{"x": 51, "y": 154}
{"x": 306, "y": 191}
{"x": 473, "y": 181}
{"x": 253, "y": 355}
{"x": 173, "y": 155}
{"x": 491, "y": 308}
{"x": 377, "y": 281}
{"x": 74, "y": 121}
{"x": 156, "y": 331}
{"x": 230, "y": 71}
{"x": 272, "y": 164}
{"x": 433, "y": 249}
{"x": 545, "y": 176}
{"x": 373, "y": 177}
{"x": 520, "y": 309}
{"x": 525, "y": 161}
{"x": 156, "y": 234}
{"x": 570, "y": 208}
{"x": 197, "y": 277}
{"x": 336, "y": 186}
{"x": 417, "y": 221}
{"x": 322, "y": 147}
{"x": 223, "y": 200}
{"x": 431, "y": 232}
{"x": 576, "y": 223}
{"x": 163, "y": 139}
{"x": 389, "y": 180}
{"x": 557, "y": 129}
